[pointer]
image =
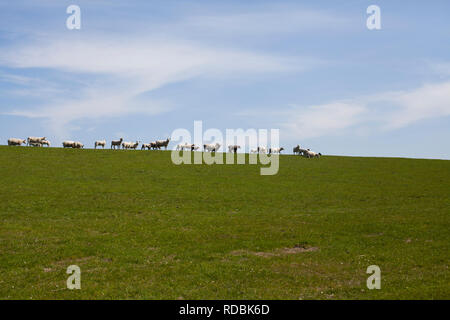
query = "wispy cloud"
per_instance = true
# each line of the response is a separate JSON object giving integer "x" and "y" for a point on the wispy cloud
{"x": 121, "y": 68}
{"x": 269, "y": 21}
{"x": 322, "y": 120}
{"x": 144, "y": 64}
{"x": 379, "y": 112}
{"x": 428, "y": 101}
{"x": 17, "y": 79}
{"x": 60, "y": 116}
{"x": 162, "y": 60}
{"x": 29, "y": 86}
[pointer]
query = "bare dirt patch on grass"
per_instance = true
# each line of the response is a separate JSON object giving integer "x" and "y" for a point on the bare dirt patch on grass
{"x": 275, "y": 253}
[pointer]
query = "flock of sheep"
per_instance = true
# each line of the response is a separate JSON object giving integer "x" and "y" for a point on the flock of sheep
{"x": 115, "y": 144}
{"x": 231, "y": 148}
{"x": 264, "y": 150}
{"x": 306, "y": 152}
{"x": 30, "y": 141}
{"x": 158, "y": 144}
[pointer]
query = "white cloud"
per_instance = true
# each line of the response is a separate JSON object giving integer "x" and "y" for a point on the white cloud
{"x": 428, "y": 101}
{"x": 127, "y": 68}
{"x": 269, "y": 21}
{"x": 28, "y": 86}
{"x": 16, "y": 79}
{"x": 322, "y": 120}
{"x": 59, "y": 116}
{"x": 378, "y": 112}
{"x": 161, "y": 60}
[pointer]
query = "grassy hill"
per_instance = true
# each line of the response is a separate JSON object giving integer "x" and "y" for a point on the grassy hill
{"x": 140, "y": 227}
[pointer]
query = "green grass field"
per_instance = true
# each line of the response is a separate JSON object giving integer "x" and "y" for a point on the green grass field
{"x": 141, "y": 227}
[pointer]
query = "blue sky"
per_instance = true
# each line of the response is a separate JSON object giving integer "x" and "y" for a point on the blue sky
{"x": 141, "y": 69}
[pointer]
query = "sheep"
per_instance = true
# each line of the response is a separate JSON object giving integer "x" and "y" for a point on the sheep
{"x": 262, "y": 150}
{"x": 73, "y": 144}
{"x": 179, "y": 147}
{"x": 116, "y": 143}
{"x": 126, "y": 145}
{"x": 276, "y": 150}
{"x": 130, "y": 145}
{"x": 78, "y": 145}
{"x": 162, "y": 143}
{"x": 300, "y": 151}
{"x": 16, "y": 141}
{"x": 134, "y": 145}
{"x": 68, "y": 144}
{"x": 146, "y": 146}
{"x": 189, "y": 147}
{"x": 233, "y": 148}
{"x": 303, "y": 152}
{"x": 211, "y": 147}
{"x": 185, "y": 146}
{"x": 101, "y": 143}
{"x": 34, "y": 139}
{"x": 254, "y": 151}
{"x": 35, "y": 144}
{"x": 154, "y": 146}
{"x": 312, "y": 154}
{"x": 46, "y": 142}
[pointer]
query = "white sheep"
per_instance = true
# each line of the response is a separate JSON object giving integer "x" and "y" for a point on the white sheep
{"x": 72, "y": 144}
{"x": 101, "y": 143}
{"x": 35, "y": 139}
{"x": 35, "y": 144}
{"x": 300, "y": 151}
{"x": 312, "y": 154}
{"x": 78, "y": 145}
{"x": 16, "y": 141}
{"x": 46, "y": 142}
{"x": 276, "y": 150}
{"x": 188, "y": 147}
{"x": 211, "y": 147}
{"x": 134, "y": 145}
{"x": 146, "y": 146}
{"x": 68, "y": 144}
{"x": 126, "y": 145}
{"x": 154, "y": 146}
{"x": 130, "y": 145}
